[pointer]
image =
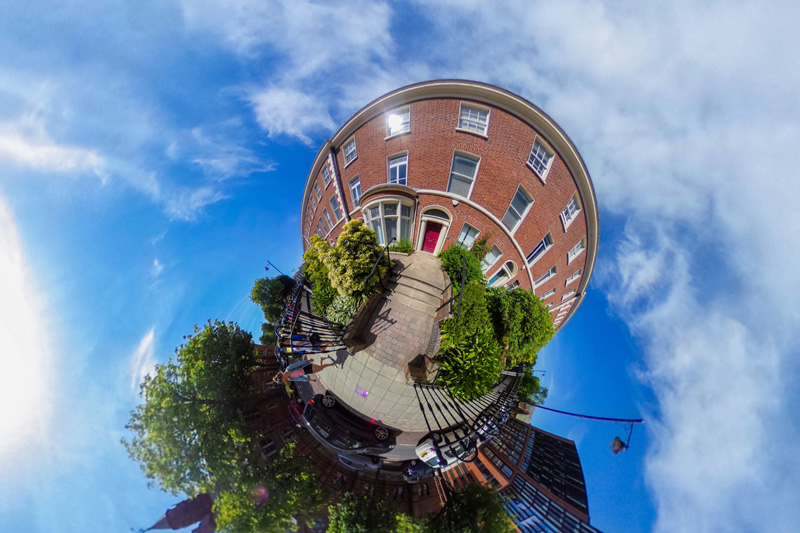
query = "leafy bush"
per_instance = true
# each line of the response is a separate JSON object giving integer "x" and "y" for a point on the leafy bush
{"x": 452, "y": 262}
{"x": 471, "y": 360}
{"x": 474, "y": 314}
{"x": 342, "y": 308}
{"x": 480, "y": 247}
{"x": 520, "y": 322}
{"x": 403, "y": 245}
{"x": 315, "y": 270}
{"x": 351, "y": 260}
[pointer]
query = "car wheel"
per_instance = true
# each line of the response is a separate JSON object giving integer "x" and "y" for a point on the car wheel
{"x": 381, "y": 433}
{"x": 328, "y": 401}
{"x": 413, "y": 462}
{"x": 437, "y": 437}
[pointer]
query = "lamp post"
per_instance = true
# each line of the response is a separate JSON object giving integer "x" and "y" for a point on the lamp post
{"x": 617, "y": 445}
{"x": 273, "y": 266}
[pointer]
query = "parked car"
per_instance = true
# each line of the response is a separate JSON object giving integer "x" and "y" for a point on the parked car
{"x": 296, "y": 413}
{"x": 360, "y": 462}
{"x": 451, "y": 450}
{"x": 414, "y": 470}
{"x": 343, "y": 430}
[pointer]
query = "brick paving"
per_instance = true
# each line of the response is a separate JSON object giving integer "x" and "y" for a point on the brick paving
{"x": 373, "y": 381}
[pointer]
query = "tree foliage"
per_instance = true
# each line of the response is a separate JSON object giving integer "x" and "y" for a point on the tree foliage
{"x": 352, "y": 259}
{"x": 520, "y": 321}
{"x": 271, "y": 294}
{"x": 477, "y": 508}
{"x": 530, "y": 390}
{"x": 190, "y": 435}
{"x": 364, "y": 514}
{"x": 481, "y": 247}
{"x": 187, "y": 432}
{"x": 315, "y": 270}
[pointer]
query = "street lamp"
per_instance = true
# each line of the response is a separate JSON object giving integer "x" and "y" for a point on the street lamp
{"x": 273, "y": 266}
{"x": 616, "y": 445}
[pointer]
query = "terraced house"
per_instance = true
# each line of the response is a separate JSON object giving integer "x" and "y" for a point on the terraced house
{"x": 451, "y": 161}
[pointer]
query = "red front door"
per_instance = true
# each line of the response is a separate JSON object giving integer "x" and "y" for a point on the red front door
{"x": 432, "y": 230}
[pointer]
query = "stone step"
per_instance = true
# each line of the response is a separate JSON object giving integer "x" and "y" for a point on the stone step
{"x": 420, "y": 286}
{"x": 414, "y": 294}
{"x": 413, "y": 303}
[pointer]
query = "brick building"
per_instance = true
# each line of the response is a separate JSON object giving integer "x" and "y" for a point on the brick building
{"x": 450, "y": 161}
{"x": 538, "y": 473}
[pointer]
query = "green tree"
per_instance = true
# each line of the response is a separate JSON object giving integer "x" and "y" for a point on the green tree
{"x": 477, "y": 508}
{"x": 360, "y": 514}
{"x": 271, "y": 294}
{"x": 530, "y": 390}
{"x": 454, "y": 264}
{"x": 323, "y": 294}
{"x": 471, "y": 360}
{"x": 365, "y": 514}
{"x": 190, "y": 435}
{"x": 268, "y": 336}
{"x": 521, "y": 322}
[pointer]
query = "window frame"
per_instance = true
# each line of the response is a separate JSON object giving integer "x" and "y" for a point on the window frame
{"x": 389, "y": 166}
{"x": 490, "y": 265}
{"x": 522, "y": 216}
{"x": 479, "y": 109}
{"x": 326, "y": 176}
{"x": 356, "y": 199}
{"x": 346, "y": 154}
{"x": 567, "y": 217}
{"x": 337, "y": 210}
{"x": 314, "y": 203}
{"x": 572, "y": 254}
{"x": 548, "y": 294}
{"x": 547, "y": 276}
{"x": 548, "y": 236}
{"x": 317, "y": 191}
{"x": 465, "y": 155}
{"x": 568, "y": 295}
{"x": 468, "y": 225}
{"x": 397, "y": 218}
{"x": 328, "y": 219}
{"x": 405, "y": 123}
{"x": 548, "y": 165}
{"x": 572, "y": 277}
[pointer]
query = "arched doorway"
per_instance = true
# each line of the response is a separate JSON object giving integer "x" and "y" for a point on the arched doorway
{"x": 434, "y": 225}
{"x": 502, "y": 276}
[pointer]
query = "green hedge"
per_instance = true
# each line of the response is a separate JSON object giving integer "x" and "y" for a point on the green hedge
{"x": 520, "y": 321}
{"x": 452, "y": 262}
{"x": 471, "y": 360}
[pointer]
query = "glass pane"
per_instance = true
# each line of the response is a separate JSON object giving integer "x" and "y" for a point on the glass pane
{"x": 405, "y": 211}
{"x": 390, "y": 209}
{"x": 465, "y": 166}
{"x": 374, "y": 212}
{"x": 404, "y": 227}
{"x": 520, "y": 202}
{"x": 511, "y": 219}
{"x": 459, "y": 186}
{"x": 391, "y": 229}
{"x": 378, "y": 227}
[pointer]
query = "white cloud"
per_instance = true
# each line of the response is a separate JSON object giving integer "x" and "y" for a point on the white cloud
{"x": 188, "y": 204}
{"x": 142, "y": 360}
{"x": 26, "y": 379}
{"x": 290, "y": 112}
{"x": 156, "y": 269}
{"x": 25, "y": 142}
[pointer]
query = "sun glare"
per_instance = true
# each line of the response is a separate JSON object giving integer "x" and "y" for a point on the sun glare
{"x": 23, "y": 352}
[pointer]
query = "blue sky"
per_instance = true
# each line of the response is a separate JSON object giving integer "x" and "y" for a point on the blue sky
{"x": 152, "y": 158}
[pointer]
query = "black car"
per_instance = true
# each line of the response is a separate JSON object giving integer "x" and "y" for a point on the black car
{"x": 414, "y": 470}
{"x": 343, "y": 430}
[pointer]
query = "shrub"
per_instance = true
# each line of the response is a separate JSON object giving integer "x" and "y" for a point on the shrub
{"x": 530, "y": 390}
{"x": 342, "y": 308}
{"x": 352, "y": 259}
{"x": 480, "y": 248}
{"x": 317, "y": 273}
{"x": 403, "y": 245}
{"x": 474, "y": 314}
{"x": 452, "y": 262}
{"x": 471, "y": 361}
{"x": 520, "y": 322}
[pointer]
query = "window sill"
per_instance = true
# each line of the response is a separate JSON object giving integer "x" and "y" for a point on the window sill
{"x": 568, "y": 223}
{"x": 350, "y": 163}
{"x": 399, "y": 134}
{"x": 542, "y": 178}
{"x": 574, "y": 257}
{"x": 475, "y": 133}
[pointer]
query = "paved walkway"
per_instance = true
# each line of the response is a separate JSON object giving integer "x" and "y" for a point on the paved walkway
{"x": 373, "y": 381}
